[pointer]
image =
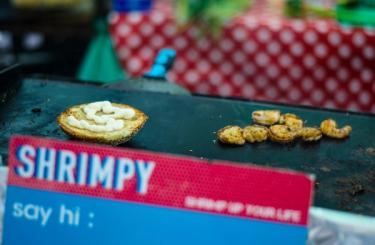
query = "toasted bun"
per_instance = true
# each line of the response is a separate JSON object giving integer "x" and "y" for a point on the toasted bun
{"x": 131, "y": 126}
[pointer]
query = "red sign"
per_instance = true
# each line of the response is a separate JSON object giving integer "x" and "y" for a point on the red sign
{"x": 164, "y": 180}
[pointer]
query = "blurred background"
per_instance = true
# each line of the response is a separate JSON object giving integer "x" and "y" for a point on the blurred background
{"x": 308, "y": 52}
{"x": 318, "y": 53}
{"x": 47, "y": 36}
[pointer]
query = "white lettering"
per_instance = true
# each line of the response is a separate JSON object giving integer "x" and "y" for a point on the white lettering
{"x": 68, "y": 166}
{"x": 235, "y": 207}
{"x": 66, "y": 163}
{"x": 101, "y": 171}
{"x": 82, "y": 169}
{"x": 260, "y": 211}
{"x": 23, "y": 154}
{"x": 45, "y": 215}
{"x": 32, "y": 212}
{"x": 144, "y": 171}
{"x": 125, "y": 171}
{"x": 17, "y": 209}
{"x": 45, "y": 160}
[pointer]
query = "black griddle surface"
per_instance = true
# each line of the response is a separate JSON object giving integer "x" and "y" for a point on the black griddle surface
{"x": 186, "y": 125}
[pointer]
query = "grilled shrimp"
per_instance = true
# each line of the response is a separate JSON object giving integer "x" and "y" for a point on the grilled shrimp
{"x": 292, "y": 121}
{"x": 310, "y": 134}
{"x": 266, "y": 117}
{"x": 282, "y": 133}
{"x": 231, "y": 135}
{"x": 329, "y": 128}
{"x": 255, "y": 133}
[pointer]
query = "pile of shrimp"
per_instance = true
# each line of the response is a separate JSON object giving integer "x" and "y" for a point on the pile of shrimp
{"x": 285, "y": 128}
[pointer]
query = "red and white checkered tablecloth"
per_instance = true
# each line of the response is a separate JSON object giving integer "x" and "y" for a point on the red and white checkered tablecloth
{"x": 260, "y": 56}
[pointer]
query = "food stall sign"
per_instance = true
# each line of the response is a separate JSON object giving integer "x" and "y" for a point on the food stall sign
{"x": 62, "y": 192}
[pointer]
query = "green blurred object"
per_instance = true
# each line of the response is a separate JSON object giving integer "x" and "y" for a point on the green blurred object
{"x": 216, "y": 15}
{"x": 210, "y": 15}
{"x": 294, "y": 8}
{"x": 366, "y": 3}
{"x": 309, "y": 8}
{"x": 345, "y": 2}
{"x": 320, "y": 11}
{"x": 189, "y": 10}
{"x": 100, "y": 62}
{"x": 359, "y": 14}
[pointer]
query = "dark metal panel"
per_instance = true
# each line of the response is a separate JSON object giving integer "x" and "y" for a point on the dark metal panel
{"x": 186, "y": 125}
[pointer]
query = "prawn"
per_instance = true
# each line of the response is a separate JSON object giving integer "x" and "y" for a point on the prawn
{"x": 266, "y": 117}
{"x": 310, "y": 134}
{"x": 255, "y": 133}
{"x": 330, "y": 129}
{"x": 282, "y": 133}
{"x": 292, "y": 121}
